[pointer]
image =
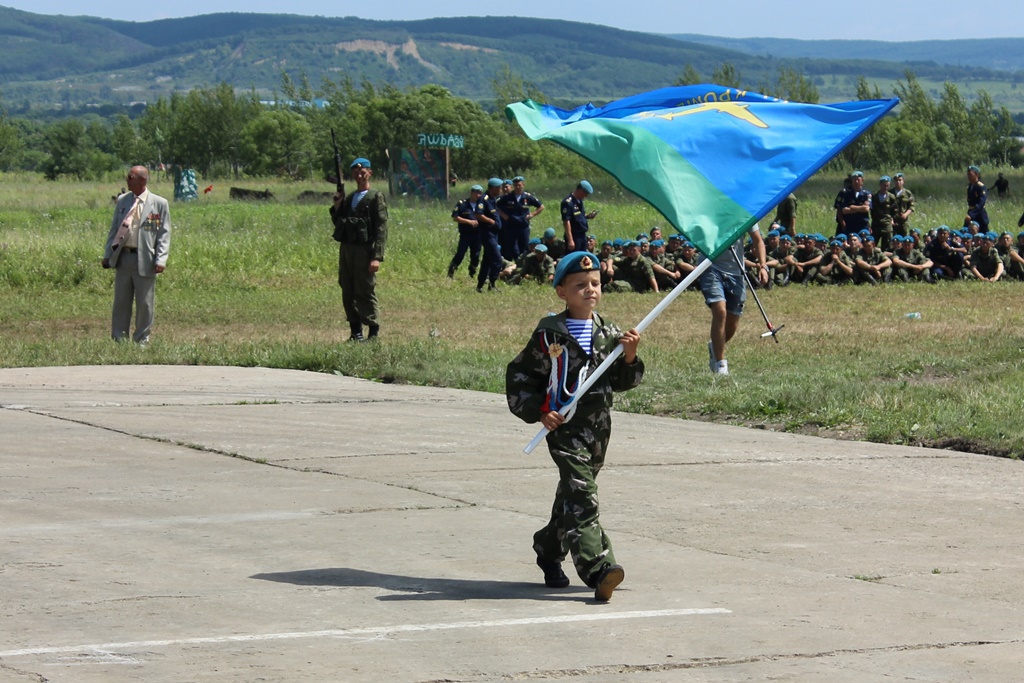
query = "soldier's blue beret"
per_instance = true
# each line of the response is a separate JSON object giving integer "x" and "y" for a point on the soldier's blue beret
{"x": 550, "y": 232}
{"x": 476, "y": 188}
{"x": 785, "y": 238}
{"x": 586, "y": 187}
{"x": 857, "y": 174}
{"x": 897, "y": 175}
{"x": 863, "y": 232}
{"x": 576, "y": 262}
{"x": 801, "y": 235}
{"x": 884, "y": 178}
{"x": 898, "y": 238}
{"x": 618, "y": 242}
{"x": 841, "y": 236}
{"x": 869, "y": 238}
{"x": 541, "y": 248}
{"x": 1020, "y": 234}
{"x": 658, "y": 243}
{"x": 974, "y": 168}
{"x": 360, "y": 163}
{"x": 642, "y": 236}
{"x": 607, "y": 243}
{"x": 992, "y": 236}
{"x": 518, "y": 178}
{"x": 943, "y": 228}
{"x": 915, "y": 231}
{"x": 835, "y": 243}
{"x": 534, "y": 240}
{"x": 506, "y": 181}
{"x": 773, "y": 233}
{"x": 494, "y": 182}
{"x": 975, "y": 223}
{"x": 676, "y": 236}
{"x": 818, "y": 237}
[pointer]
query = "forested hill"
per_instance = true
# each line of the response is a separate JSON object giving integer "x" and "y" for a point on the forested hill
{"x": 1004, "y": 54}
{"x": 76, "y": 61}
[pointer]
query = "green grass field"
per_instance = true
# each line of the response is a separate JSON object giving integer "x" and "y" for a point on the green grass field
{"x": 254, "y": 285}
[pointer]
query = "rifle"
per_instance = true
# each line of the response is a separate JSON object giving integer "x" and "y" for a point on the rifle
{"x": 337, "y": 166}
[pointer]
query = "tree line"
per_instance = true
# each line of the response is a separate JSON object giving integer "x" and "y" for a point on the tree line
{"x": 221, "y": 132}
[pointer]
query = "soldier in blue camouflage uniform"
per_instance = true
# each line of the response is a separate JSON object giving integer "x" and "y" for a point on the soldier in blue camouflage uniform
{"x": 543, "y": 378}
{"x": 976, "y": 198}
{"x": 489, "y": 218}
{"x": 464, "y": 215}
{"x": 516, "y": 215}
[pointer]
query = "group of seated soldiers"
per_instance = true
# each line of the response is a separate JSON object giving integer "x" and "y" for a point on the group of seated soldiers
{"x": 654, "y": 263}
{"x": 940, "y": 254}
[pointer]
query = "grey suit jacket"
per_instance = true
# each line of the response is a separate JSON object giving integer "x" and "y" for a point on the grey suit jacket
{"x": 154, "y": 233}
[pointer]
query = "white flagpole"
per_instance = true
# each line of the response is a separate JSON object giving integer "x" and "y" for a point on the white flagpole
{"x": 640, "y": 327}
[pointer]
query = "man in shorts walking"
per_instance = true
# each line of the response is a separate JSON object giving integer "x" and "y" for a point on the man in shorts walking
{"x": 725, "y": 289}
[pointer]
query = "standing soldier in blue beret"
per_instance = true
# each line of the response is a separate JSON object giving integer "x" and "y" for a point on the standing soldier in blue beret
{"x": 518, "y": 208}
{"x": 976, "y": 197}
{"x": 904, "y": 205}
{"x": 883, "y": 208}
{"x": 856, "y": 205}
{"x": 464, "y": 216}
{"x": 543, "y": 378}
{"x": 490, "y": 227}
{"x": 361, "y": 226}
{"x": 575, "y": 217}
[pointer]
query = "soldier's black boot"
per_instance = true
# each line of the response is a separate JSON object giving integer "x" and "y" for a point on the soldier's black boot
{"x": 374, "y": 331}
{"x": 357, "y": 332}
{"x": 451, "y": 271}
{"x": 554, "y": 577}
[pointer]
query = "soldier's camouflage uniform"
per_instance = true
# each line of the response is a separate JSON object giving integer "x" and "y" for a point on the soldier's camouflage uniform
{"x": 543, "y": 378}
{"x": 631, "y": 275}
{"x": 538, "y": 270}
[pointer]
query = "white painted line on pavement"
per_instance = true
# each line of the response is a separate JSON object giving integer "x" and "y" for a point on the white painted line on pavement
{"x": 144, "y": 523}
{"x": 344, "y": 633}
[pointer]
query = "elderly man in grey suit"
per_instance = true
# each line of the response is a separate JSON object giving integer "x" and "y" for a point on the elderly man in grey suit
{"x": 137, "y": 248}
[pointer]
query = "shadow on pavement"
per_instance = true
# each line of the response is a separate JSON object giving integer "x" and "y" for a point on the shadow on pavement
{"x": 425, "y": 588}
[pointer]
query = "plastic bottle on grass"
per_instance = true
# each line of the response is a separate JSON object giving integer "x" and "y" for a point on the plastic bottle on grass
{"x": 913, "y": 316}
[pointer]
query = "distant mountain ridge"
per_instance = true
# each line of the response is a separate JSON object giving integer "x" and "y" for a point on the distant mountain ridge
{"x": 1004, "y": 54}
{"x": 77, "y": 61}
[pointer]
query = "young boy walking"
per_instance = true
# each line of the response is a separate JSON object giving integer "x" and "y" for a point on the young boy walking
{"x": 561, "y": 353}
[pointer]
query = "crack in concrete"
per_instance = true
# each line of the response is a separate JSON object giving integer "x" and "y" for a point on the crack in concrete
{"x": 716, "y": 662}
{"x": 29, "y": 675}
{"x": 258, "y": 461}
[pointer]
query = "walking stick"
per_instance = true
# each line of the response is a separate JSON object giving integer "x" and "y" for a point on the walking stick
{"x": 772, "y": 330}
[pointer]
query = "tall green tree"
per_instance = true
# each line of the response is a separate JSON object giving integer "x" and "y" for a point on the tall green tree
{"x": 726, "y": 74}
{"x": 277, "y": 142}
{"x": 690, "y": 76}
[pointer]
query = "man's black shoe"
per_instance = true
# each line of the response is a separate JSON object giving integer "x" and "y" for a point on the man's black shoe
{"x": 554, "y": 577}
{"x": 606, "y": 581}
{"x": 374, "y": 331}
{"x": 357, "y": 337}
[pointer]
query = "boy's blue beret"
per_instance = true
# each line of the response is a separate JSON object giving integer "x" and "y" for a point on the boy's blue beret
{"x": 576, "y": 262}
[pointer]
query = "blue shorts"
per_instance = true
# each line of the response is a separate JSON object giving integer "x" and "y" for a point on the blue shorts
{"x": 718, "y": 286}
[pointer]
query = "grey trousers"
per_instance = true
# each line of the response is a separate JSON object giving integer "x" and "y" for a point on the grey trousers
{"x": 131, "y": 287}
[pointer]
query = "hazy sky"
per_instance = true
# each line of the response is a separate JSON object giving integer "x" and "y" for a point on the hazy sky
{"x": 895, "y": 20}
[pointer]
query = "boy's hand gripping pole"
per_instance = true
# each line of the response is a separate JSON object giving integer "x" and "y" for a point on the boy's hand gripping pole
{"x": 640, "y": 327}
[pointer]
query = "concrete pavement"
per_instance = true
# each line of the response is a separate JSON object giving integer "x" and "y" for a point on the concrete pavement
{"x": 166, "y": 523}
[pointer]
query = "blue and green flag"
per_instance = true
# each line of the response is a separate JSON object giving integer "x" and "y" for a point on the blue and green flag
{"x": 714, "y": 160}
